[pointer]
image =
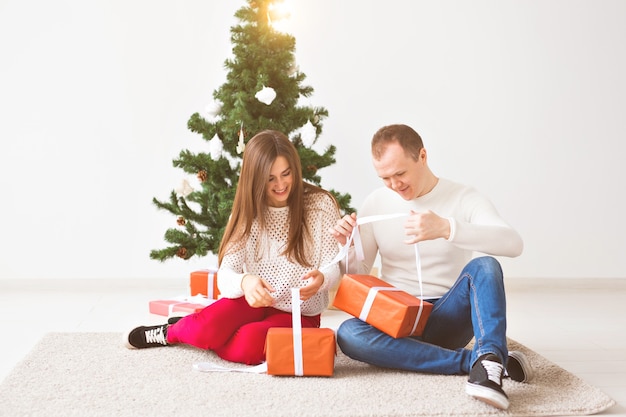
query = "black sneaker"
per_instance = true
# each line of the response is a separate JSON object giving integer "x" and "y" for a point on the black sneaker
{"x": 174, "y": 319}
{"x": 485, "y": 382}
{"x": 146, "y": 336}
{"x": 518, "y": 367}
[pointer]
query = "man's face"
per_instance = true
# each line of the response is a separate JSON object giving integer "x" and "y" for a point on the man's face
{"x": 400, "y": 172}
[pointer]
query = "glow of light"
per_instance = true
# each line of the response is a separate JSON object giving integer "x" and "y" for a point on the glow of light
{"x": 278, "y": 14}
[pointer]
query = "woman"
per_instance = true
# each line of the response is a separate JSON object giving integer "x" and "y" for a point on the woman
{"x": 276, "y": 239}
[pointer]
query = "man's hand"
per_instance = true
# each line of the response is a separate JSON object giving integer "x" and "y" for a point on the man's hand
{"x": 257, "y": 291}
{"x": 317, "y": 280}
{"x": 426, "y": 226}
{"x": 343, "y": 229}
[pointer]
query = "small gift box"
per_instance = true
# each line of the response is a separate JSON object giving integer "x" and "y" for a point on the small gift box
{"x": 389, "y": 309}
{"x": 300, "y": 352}
{"x": 318, "y": 352}
{"x": 204, "y": 282}
{"x": 179, "y": 307}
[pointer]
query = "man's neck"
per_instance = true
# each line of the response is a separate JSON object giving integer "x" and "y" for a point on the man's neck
{"x": 431, "y": 184}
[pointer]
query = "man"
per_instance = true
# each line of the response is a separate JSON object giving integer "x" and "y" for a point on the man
{"x": 449, "y": 222}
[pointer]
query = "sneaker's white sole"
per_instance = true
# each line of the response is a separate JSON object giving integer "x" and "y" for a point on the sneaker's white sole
{"x": 526, "y": 366}
{"x": 487, "y": 395}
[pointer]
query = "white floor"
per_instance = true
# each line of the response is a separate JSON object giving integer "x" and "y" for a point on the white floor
{"x": 577, "y": 324}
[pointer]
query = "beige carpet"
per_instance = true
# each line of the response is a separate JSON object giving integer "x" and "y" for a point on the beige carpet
{"x": 91, "y": 374}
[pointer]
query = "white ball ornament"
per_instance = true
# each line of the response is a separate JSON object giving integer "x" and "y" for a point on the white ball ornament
{"x": 308, "y": 134}
{"x": 184, "y": 188}
{"x": 266, "y": 95}
{"x": 213, "y": 108}
{"x": 216, "y": 146}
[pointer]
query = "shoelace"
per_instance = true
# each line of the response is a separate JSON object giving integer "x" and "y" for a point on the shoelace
{"x": 494, "y": 371}
{"x": 156, "y": 336}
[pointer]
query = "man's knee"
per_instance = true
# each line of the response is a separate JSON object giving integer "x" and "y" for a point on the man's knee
{"x": 487, "y": 264}
{"x": 347, "y": 334}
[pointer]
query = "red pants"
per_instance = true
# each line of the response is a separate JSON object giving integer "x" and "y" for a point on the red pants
{"x": 232, "y": 329}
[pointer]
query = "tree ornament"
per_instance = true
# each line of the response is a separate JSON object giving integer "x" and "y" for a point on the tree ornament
{"x": 202, "y": 175}
{"x": 308, "y": 134}
{"x": 293, "y": 69}
{"x": 213, "y": 110}
{"x": 241, "y": 145}
{"x": 216, "y": 147}
{"x": 184, "y": 188}
{"x": 180, "y": 221}
{"x": 266, "y": 95}
{"x": 311, "y": 168}
{"x": 182, "y": 253}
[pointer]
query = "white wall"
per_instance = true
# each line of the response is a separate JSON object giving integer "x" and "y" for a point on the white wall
{"x": 524, "y": 99}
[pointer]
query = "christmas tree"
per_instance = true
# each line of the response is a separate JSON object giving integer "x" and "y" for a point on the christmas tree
{"x": 263, "y": 90}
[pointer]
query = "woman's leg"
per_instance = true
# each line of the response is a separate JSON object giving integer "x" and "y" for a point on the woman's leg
{"x": 247, "y": 345}
{"x": 214, "y": 325}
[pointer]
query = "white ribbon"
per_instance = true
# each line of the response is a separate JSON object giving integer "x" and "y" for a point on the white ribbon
{"x": 296, "y": 323}
{"x": 369, "y": 300}
{"x": 355, "y": 235}
{"x": 418, "y": 265}
{"x": 212, "y": 367}
{"x": 210, "y": 284}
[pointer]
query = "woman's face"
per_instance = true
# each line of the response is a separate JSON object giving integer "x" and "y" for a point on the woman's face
{"x": 279, "y": 183}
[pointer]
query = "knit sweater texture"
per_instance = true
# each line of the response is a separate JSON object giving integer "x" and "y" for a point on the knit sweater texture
{"x": 261, "y": 254}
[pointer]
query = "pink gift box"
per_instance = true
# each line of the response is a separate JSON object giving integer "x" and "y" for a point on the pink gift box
{"x": 168, "y": 307}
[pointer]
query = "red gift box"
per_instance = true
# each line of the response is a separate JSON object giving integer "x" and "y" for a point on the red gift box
{"x": 204, "y": 282}
{"x": 184, "y": 306}
{"x": 390, "y": 310}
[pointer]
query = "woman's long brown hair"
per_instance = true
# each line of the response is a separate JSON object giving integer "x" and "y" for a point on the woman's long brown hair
{"x": 251, "y": 199}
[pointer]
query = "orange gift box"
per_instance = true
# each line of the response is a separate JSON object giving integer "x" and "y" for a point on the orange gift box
{"x": 167, "y": 307}
{"x": 318, "y": 351}
{"x": 382, "y": 305}
{"x": 201, "y": 281}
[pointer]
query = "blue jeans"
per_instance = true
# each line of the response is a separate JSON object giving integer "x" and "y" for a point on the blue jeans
{"x": 475, "y": 307}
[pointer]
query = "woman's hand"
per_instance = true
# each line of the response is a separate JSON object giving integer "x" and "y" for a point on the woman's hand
{"x": 257, "y": 291}
{"x": 309, "y": 290}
